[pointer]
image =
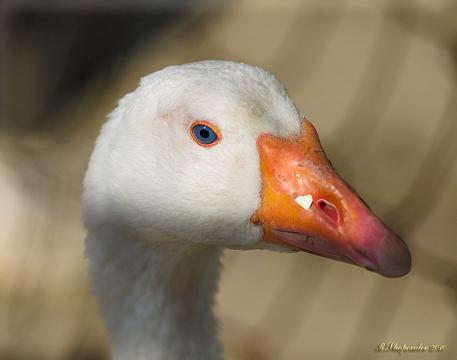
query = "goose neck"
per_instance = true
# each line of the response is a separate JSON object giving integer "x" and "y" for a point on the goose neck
{"x": 156, "y": 297}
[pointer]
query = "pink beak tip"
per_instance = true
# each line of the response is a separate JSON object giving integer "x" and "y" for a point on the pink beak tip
{"x": 396, "y": 260}
{"x": 388, "y": 254}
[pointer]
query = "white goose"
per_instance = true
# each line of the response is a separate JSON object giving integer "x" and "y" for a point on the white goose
{"x": 201, "y": 157}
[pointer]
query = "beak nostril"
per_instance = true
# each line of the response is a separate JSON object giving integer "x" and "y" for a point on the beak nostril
{"x": 328, "y": 209}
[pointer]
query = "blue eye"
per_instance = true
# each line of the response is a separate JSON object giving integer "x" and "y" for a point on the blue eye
{"x": 204, "y": 134}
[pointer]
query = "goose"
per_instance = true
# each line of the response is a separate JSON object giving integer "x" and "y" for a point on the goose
{"x": 201, "y": 157}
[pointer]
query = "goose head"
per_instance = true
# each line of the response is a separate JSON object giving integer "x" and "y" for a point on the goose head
{"x": 215, "y": 153}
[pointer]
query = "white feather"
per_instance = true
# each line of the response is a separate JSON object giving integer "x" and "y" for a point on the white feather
{"x": 158, "y": 207}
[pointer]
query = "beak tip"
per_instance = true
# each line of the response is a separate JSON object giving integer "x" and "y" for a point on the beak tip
{"x": 396, "y": 261}
{"x": 382, "y": 251}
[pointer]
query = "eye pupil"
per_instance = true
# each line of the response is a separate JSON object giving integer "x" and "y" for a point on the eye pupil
{"x": 204, "y": 133}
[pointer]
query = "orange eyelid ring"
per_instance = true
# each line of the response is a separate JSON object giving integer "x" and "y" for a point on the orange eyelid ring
{"x": 206, "y": 125}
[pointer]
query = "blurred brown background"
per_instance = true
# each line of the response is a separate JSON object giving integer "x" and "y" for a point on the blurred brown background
{"x": 377, "y": 78}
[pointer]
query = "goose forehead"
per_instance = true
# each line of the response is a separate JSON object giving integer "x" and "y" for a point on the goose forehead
{"x": 225, "y": 92}
{"x": 220, "y": 72}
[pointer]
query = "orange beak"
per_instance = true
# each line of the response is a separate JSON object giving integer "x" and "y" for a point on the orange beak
{"x": 306, "y": 206}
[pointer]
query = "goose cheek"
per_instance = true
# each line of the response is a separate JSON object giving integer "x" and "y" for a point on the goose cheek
{"x": 307, "y": 207}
